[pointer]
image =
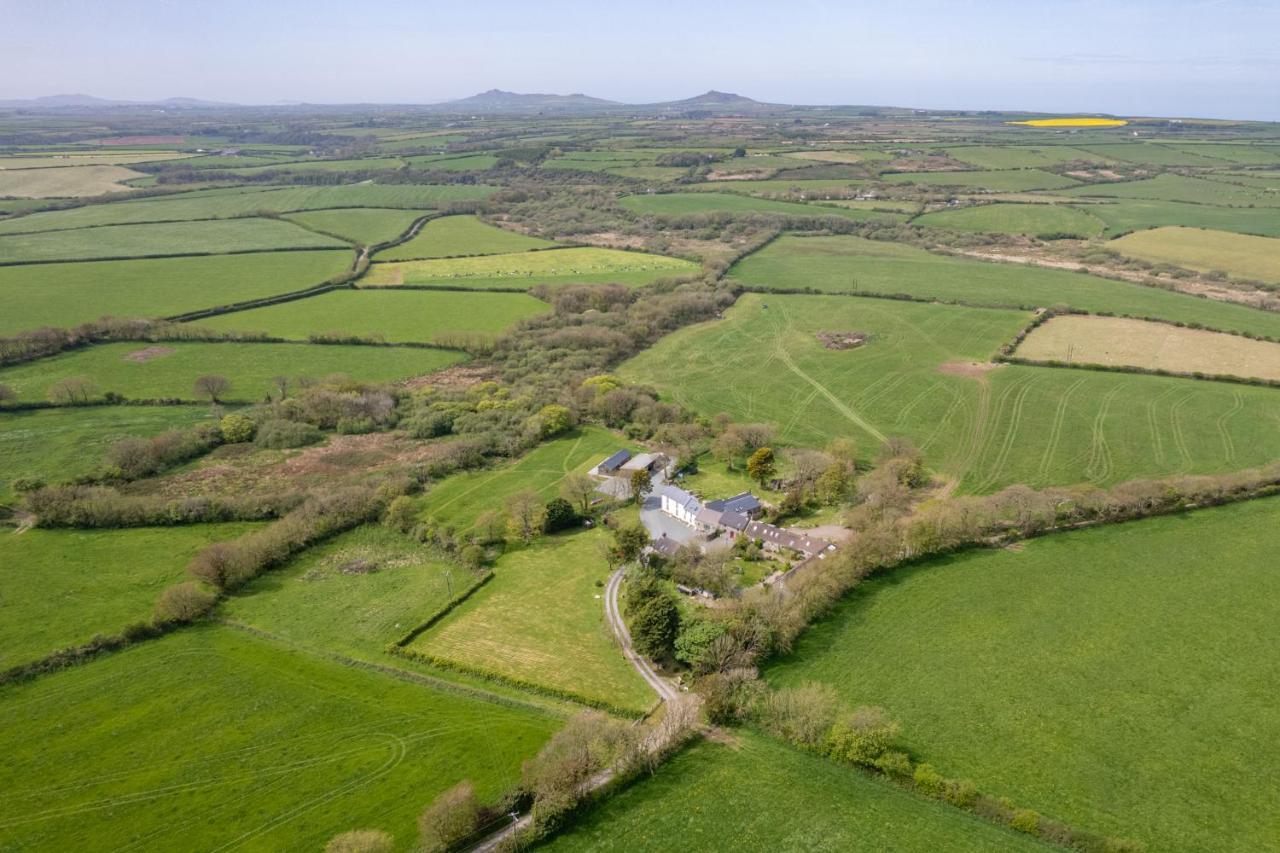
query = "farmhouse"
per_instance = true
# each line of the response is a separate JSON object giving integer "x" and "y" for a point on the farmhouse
{"x": 779, "y": 539}
{"x": 678, "y": 503}
{"x": 732, "y": 517}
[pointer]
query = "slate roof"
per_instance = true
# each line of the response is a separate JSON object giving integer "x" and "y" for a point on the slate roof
{"x": 769, "y": 533}
{"x": 680, "y": 496}
{"x": 665, "y": 545}
{"x": 745, "y": 503}
{"x": 734, "y": 520}
{"x": 614, "y": 461}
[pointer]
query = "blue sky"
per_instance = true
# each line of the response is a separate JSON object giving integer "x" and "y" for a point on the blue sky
{"x": 1217, "y": 58}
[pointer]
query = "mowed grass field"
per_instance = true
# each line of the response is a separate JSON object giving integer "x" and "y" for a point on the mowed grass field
{"x": 541, "y": 620}
{"x": 65, "y": 182}
{"x": 985, "y": 428}
{"x": 69, "y": 294}
{"x": 1240, "y": 255}
{"x": 852, "y": 265}
{"x": 1115, "y": 341}
{"x": 756, "y": 794}
{"x": 458, "y": 500}
{"x": 165, "y": 238}
{"x": 1009, "y": 181}
{"x": 352, "y": 595}
{"x": 169, "y": 370}
{"x": 1031, "y": 219}
{"x": 1021, "y": 156}
{"x": 363, "y": 225}
{"x": 212, "y": 738}
{"x": 1123, "y": 216}
{"x": 1119, "y": 678}
{"x": 458, "y": 236}
{"x": 684, "y": 204}
{"x": 59, "y": 588}
{"x": 525, "y": 269}
{"x": 396, "y": 315}
{"x": 57, "y": 445}
{"x": 1170, "y": 187}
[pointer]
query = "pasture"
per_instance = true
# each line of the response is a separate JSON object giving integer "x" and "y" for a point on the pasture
{"x": 65, "y": 181}
{"x": 363, "y": 225}
{"x": 1137, "y": 343}
{"x": 1035, "y": 220}
{"x": 541, "y": 620}
{"x": 69, "y": 294}
{"x": 144, "y": 371}
{"x": 457, "y": 236}
{"x": 161, "y": 239}
{"x": 525, "y": 269}
{"x": 796, "y": 188}
{"x": 212, "y": 738}
{"x": 62, "y": 160}
{"x": 398, "y": 316}
{"x": 998, "y": 157}
{"x": 1123, "y": 216}
{"x": 922, "y": 375}
{"x": 1240, "y": 255}
{"x": 1119, "y": 678}
{"x": 1008, "y": 181}
{"x": 61, "y": 587}
{"x": 1171, "y": 187}
{"x": 852, "y": 265}
{"x": 686, "y": 204}
{"x": 1152, "y": 153}
{"x": 767, "y": 797}
{"x": 57, "y": 445}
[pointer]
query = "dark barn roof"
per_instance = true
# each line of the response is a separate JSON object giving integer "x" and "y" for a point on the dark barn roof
{"x": 615, "y": 461}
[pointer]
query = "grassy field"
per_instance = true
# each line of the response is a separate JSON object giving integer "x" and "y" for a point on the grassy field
{"x": 759, "y": 795}
{"x": 364, "y": 225}
{"x": 808, "y": 188}
{"x": 62, "y": 160}
{"x": 165, "y": 238}
{"x": 1032, "y": 219}
{"x": 397, "y": 315}
{"x": 1009, "y": 181}
{"x": 211, "y": 738}
{"x": 1169, "y": 187}
{"x": 530, "y": 268}
{"x": 169, "y": 370}
{"x": 454, "y": 163}
{"x": 1108, "y": 677}
{"x": 1138, "y": 343}
{"x": 1021, "y": 157}
{"x": 852, "y": 264}
{"x": 69, "y": 294}
{"x": 243, "y": 201}
{"x": 1154, "y": 153}
{"x": 1244, "y": 153}
{"x": 61, "y": 587}
{"x": 65, "y": 182}
{"x": 458, "y": 500}
{"x": 684, "y": 204}
{"x": 456, "y": 236}
{"x": 325, "y": 599}
{"x": 59, "y": 444}
{"x": 986, "y": 428}
{"x": 1240, "y": 255}
{"x": 541, "y": 620}
{"x": 1133, "y": 214}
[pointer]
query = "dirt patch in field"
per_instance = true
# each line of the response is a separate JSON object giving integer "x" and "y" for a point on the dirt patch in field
{"x": 460, "y": 376}
{"x": 972, "y": 369}
{"x": 843, "y": 340}
{"x": 139, "y": 356}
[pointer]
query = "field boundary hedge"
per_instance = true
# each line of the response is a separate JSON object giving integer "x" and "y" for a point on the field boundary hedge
{"x": 444, "y": 611}
{"x": 1146, "y": 371}
{"x": 46, "y": 261}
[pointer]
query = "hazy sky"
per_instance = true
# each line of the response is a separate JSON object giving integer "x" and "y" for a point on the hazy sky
{"x": 1217, "y": 58}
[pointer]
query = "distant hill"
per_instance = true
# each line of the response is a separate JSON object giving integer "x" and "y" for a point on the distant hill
{"x": 497, "y": 100}
{"x": 62, "y": 102}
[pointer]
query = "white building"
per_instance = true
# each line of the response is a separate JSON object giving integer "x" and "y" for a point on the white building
{"x": 679, "y": 504}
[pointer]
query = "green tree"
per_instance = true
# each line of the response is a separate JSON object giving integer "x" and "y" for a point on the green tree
{"x": 450, "y": 818}
{"x": 237, "y": 428}
{"x": 525, "y": 515}
{"x": 761, "y": 465}
{"x": 628, "y": 541}
{"x": 401, "y": 515}
{"x": 560, "y": 516}
{"x": 553, "y": 420}
{"x": 693, "y": 643}
{"x": 578, "y": 489}
{"x": 654, "y": 622}
{"x": 641, "y": 484}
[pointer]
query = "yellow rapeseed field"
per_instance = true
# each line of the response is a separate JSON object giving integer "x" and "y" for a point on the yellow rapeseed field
{"x": 1072, "y": 122}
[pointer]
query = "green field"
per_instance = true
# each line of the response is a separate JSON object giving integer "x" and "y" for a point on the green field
{"x": 684, "y": 204}
{"x": 454, "y": 163}
{"x": 1020, "y": 157}
{"x": 1246, "y": 154}
{"x": 809, "y": 188}
{"x": 1118, "y": 678}
{"x": 353, "y": 595}
{"x": 525, "y": 269}
{"x": 61, "y": 587}
{"x": 1013, "y": 180}
{"x": 363, "y": 225}
{"x": 165, "y": 238}
{"x": 65, "y": 182}
{"x": 1169, "y": 187}
{"x": 59, "y": 444}
{"x": 55, "y": 160}
{"x": 456, "y": 236}
{"x": 242, "y": 201}
{"x": 212, "y": 738}
{"x": 1239, "y": 255}
{"x": 169, "y": 370}
{"x": 759, "y": 795}
{"x": 1133, "y": 214}
{"x": 852, "y": 264}
{"x": 70, "y": 294}
{"x": 396, "y": 315}
{"x": 458, "y": 500}
{"x": 541, "y": 620}
{"x": 354, "y": 165}
{"x": 985, "y": 429}
{"x": 1031, "y": 219}
{"x": 1156, "y": 154}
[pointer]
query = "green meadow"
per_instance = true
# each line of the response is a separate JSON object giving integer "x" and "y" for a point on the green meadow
{"x": 684, "y": 204}
{"x": 65, "y": 182}
{"x": 1117, "y": 678}
{"x": 1123, "y": 216}
{"x": 984, "y": 428}
{"x": 1240, "y": 255}
{"x": 1171, "y": 187}
{"x": 169, "y": 370}
{"x": 1032, "y": 219}
{"x": 213, "y": 738}
{"x": 61, "y": 587}
{"x": 525, "y": 269}
{"x": 457, "y": 236}
{"x": 998, "y": 157}
{"x": 70, "y": 294}
{"x": 1153, "y": 153}
{"x": 1012, "y": 180}
{"x": 395, "y": 315}
{"x": 765, "y": 797}
{"x": 851, "y": 265}
{"x": 363, "y": 225}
